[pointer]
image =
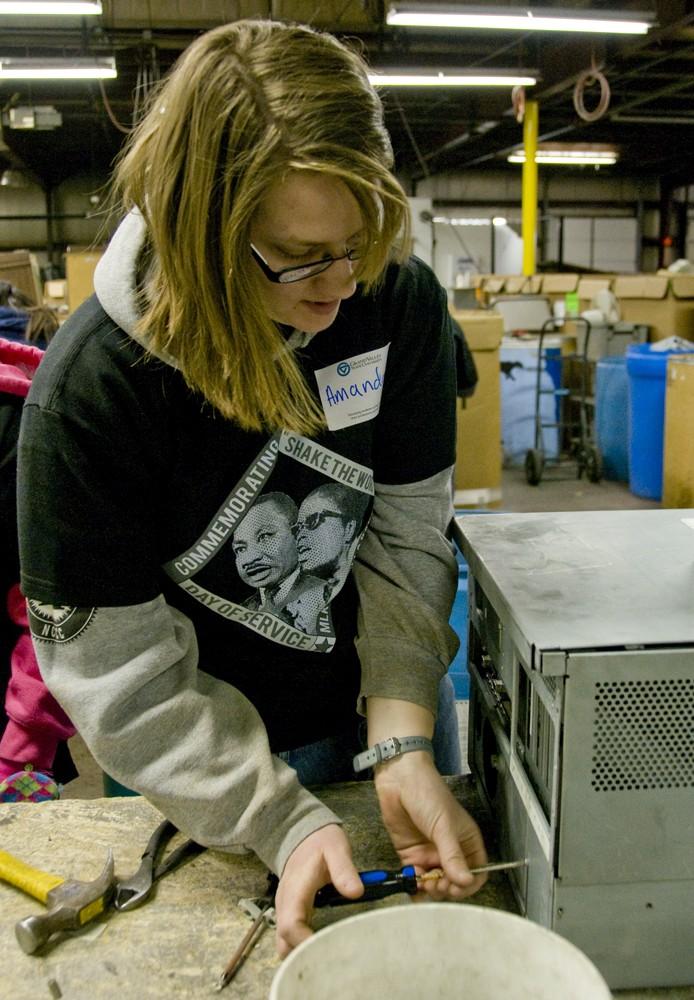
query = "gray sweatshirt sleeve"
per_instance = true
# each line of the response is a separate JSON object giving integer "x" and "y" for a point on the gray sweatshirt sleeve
{"x": 194, "y": 746}
{"x": 406, "y": 576}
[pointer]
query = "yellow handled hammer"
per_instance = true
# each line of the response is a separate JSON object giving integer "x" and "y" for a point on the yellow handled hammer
{"x": 71, "y": 904}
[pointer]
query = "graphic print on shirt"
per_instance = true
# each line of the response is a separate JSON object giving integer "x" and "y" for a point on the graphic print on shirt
{"x": 280, "y": 547}
{"x": 57, "y": 623}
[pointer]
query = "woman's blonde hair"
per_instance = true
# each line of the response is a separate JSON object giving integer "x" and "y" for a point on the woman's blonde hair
{"x": 245, "y": 104}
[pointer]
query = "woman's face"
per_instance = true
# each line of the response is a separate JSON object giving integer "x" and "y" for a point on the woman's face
{"x": 302, "y": 219}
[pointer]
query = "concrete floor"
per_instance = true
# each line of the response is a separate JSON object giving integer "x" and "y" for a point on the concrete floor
{"x": 558, "y": 490}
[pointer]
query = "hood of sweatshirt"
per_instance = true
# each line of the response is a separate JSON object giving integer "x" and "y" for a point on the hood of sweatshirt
{"x": 18, "y": 363}
{"x": 115, "y": 274}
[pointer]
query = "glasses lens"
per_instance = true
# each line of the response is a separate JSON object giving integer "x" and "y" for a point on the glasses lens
{"x": 299, "y": 273}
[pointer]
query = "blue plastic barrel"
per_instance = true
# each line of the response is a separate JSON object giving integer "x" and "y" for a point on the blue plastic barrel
{"x": 647, "y": 370}
{"x": 612, "y": 416}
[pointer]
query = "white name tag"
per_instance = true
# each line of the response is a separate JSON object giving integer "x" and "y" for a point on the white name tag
{"x": 350, "y": 391}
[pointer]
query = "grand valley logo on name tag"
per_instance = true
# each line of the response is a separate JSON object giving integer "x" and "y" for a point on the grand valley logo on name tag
{"x": 350, "y": 391}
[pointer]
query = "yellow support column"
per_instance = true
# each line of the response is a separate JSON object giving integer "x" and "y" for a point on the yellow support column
{"x": 529, "y": 213}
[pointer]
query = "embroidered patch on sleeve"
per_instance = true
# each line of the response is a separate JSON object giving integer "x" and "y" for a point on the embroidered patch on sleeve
{"x": 53, "y": 623}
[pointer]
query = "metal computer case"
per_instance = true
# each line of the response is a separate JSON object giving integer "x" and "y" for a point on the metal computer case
{"x": 581, "y": 731}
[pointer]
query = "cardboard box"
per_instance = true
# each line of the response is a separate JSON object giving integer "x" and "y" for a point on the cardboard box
{"x": 523, "y": 313}
{"x": 55, "y": 296}
{"x": 55, "y": 289}
{"x": 557, "y": 285}
{"x": 20, "y": 268}
{"x": 588, "y": 288}
{"x": 477, "y": 477}
{"x": 678, "y": 444}
{"x": 666, "y": 304}
{"x": 523, "y": 284}
{"x": 494, "y": 284}
{"x": 80, "y": 264}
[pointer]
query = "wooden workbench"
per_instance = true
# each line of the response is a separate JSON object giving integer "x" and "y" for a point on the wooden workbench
{"x": 177, "y": 944}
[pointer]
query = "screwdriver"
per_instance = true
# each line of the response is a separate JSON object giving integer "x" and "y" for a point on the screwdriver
{"x": 380, "y": 882}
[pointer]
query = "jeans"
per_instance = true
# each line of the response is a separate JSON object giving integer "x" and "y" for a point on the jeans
{"x": 330, "y": 760}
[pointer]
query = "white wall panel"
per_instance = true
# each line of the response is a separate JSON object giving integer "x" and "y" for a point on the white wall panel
{"x": 614, "y": 244}
{"x": 578, "y": 242}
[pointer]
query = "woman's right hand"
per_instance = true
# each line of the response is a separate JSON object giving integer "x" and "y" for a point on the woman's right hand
{"x": 324, "y": 856}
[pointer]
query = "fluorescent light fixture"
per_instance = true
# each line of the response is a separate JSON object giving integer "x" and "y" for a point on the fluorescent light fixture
{"x": 446, "y": 220}
{"x": 569, "y": 157}
{"x": 103, "y": 68}
{"x": 58, "y": 7}
{"x": 511, "y": 19}
{"x": 406, "y": 78}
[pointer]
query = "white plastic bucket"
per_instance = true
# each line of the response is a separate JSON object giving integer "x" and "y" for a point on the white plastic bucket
{"x": 437, "y": 951}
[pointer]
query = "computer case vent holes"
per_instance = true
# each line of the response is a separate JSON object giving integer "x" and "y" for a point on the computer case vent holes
{"x": 643, "y": 735}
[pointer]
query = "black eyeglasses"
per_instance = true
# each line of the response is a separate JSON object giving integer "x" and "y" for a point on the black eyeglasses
{"x": 313, "y": 521}
{"x": 289, "y": 274}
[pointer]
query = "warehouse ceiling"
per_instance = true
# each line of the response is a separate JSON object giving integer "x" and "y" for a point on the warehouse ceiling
{"x": 650, "y": 117}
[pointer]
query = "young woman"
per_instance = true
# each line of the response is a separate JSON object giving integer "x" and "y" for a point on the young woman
{"x": 252, "y": 333}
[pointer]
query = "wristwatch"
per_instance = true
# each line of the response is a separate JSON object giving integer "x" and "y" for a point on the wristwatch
{"x": 387, "y": 749}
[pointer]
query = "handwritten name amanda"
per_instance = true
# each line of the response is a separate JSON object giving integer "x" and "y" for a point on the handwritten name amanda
{"x": 335, "y": 396}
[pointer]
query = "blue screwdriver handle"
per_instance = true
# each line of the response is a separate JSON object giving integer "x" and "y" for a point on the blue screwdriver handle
{"x": 378, "y": 884}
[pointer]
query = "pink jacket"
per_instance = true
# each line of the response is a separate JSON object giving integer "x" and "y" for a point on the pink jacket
{"x": 36, "y": 722}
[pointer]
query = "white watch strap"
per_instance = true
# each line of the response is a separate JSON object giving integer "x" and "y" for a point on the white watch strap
{"x": 387, "y": 749}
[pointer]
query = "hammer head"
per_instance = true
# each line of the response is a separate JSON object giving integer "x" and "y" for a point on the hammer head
{"x": 71, "y": 905}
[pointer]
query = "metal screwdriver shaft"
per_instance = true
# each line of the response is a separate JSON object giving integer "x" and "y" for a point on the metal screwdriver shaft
{"x": 493, "y": 866}
{"x": 244, "y": 949}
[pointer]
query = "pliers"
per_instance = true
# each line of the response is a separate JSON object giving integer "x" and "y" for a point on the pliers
{"x": 134, "y": 891}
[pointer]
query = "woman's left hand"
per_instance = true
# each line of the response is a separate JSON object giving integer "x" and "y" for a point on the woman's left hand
{"x": 428, "y": 827}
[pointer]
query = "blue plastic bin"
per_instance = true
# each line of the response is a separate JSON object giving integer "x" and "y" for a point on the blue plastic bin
{"x": 647, "y": 370}
{"x": 458, "y": 621}
{"x": 612, "y": 416}
{"x": 458, "y": 671}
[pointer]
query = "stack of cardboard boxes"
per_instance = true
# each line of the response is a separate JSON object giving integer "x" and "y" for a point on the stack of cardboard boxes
{"x": 664, "y": 302}
{"x": 66, "y": 294}
{"x": 477, "y": 479}
{"x": 20, "y": 269}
